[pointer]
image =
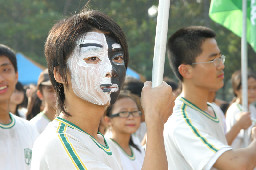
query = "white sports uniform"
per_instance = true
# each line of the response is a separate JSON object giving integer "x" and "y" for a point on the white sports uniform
{"x": 231, "y": 118}
{"x": 130, "y": 162}
{"x": 16, "y": 142}
{"x": 63, "y": 145}
{"x": 40, "y": 121}
{"x": 193, "y": 139}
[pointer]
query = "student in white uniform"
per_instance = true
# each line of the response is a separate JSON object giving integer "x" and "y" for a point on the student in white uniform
{"x": 235, "y": 111}
{"x": 124, "y": 119}
{"x": 46, "y": 93}
{"x": 194, "y": 135}
{"x": 243, "y": 122}
{"x": 17, "y": 135}
{"x": 87, "y": 59}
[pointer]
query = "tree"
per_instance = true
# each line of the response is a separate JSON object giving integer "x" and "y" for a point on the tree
{"x": 25, "y": 25}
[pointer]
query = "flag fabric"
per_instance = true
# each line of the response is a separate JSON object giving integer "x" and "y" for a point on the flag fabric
{"x": 229, "y": 14}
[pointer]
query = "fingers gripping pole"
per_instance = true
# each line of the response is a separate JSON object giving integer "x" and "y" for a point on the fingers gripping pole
{"x": 160, "y": 42}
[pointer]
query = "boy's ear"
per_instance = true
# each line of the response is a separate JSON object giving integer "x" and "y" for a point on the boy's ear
{"x": 107, "y": 120}
{"x": 185, "y": 70}
{"x": 57, "y": 76}
{"x": 39, "y": 95}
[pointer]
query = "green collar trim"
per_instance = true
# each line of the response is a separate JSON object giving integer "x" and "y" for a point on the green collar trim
{"x": 9, "y": 125}
{"x": 195, "y": 130}
{"x": 73, "y": 126}
{"x": 215, "y": 118}
{"x": 132, "y": 156}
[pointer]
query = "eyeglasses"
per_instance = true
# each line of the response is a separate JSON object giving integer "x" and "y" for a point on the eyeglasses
{"x": 126, "y": 114}
{"x": 216, "y": 61}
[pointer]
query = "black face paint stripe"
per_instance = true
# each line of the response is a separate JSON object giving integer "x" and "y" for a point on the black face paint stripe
{"x": 90, "y": 44}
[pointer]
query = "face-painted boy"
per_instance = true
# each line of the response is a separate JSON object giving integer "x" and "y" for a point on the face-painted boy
{"x": 87, "y": 57}
{"x": 97, "y": 68}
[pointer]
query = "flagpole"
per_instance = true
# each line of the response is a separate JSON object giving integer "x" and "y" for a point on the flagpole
{"x": 160, "y": 42}
{"x": 244, "y": 67}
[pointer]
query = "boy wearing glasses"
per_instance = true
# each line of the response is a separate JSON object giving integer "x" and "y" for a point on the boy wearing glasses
{"x": 194, "y": 135}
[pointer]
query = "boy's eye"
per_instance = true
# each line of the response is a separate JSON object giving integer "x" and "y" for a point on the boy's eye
{"x": 92, "y": 60}
{"x": 6, "y": 69}
{"x": 119, "y": 59}
{"x": 213, "y": 59}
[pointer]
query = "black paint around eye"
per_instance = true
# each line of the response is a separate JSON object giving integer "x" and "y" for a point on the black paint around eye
{"x": 118, "y": 70}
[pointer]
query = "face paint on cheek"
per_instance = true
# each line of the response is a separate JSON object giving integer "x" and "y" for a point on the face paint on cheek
{"x": 115, "y": 54}
{"x": 121, "y": 71}
{"x": 90, "y": 69}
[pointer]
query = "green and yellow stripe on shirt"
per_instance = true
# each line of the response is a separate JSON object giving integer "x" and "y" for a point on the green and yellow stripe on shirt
{"x": 69, "y": 148}
{"x": 195, "y": 130}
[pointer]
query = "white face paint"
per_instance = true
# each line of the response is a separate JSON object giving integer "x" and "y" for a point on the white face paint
{"x": 90, "y": 67}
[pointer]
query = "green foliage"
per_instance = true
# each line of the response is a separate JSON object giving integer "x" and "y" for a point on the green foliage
{"x": 25, "y": 25}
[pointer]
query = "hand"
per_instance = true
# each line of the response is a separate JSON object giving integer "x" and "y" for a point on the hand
{"x": 157, "y": 102}
{"x": 254, "y": 133}
{"x": 244, "y": 120}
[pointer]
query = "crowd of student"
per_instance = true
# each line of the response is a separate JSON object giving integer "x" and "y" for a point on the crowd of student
{"x": 76, "y": 118}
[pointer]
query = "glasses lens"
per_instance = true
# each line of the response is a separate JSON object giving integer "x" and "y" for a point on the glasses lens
{"x": 136, "y": 113}
{"x": 223, "y": 58}
{"x": 219, "y": 61}
{"x": 124, "y": 114}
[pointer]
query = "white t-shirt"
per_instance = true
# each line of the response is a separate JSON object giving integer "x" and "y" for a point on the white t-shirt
{"x": 231, "y": 118}
{"x": 130, "y": 162}
{"x": 16, "y": 142}
{"x": 40, "y": 121}
{"x": 193, "y": 139}
{"x": 63, "y": 145}
{"x": 22, "y": 111}
{"x": 140, "y": 133}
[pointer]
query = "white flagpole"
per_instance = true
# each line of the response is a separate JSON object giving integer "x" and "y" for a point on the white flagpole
{"x": 244, "y": 68}
{"x": 160, "y": 42}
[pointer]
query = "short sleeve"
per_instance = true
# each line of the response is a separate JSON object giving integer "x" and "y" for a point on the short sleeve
{"x": 198, "y": 147}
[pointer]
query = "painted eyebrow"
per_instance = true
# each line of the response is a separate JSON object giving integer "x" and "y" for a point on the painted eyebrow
{"x": 90, "y": 44}
{"x": 116, "y": 49}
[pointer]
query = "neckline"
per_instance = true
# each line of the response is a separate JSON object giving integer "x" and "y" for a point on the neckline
{"x": 132, "y": 156}
{"x": 73, "y": 126}
{"x": 190, "y": 104}
{"x": 9, "y": 125}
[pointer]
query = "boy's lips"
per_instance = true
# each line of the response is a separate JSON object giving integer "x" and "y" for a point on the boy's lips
{"x": 221, "y": 75}
{"x": 109, "y": 87}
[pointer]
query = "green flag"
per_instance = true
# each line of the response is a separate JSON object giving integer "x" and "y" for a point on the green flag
{"x": 229, "y": 14}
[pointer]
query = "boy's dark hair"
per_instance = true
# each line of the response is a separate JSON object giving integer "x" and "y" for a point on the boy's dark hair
{"x": 173, "y": 84}
{"x": 236, "y": 80}
{"x": 20, "y": 88}
{"x": 109, "y": 112}
{"x": 134, "y": 86}
{"x": 185, "y": 45}
{"x": 34, "y": 106}
{"x": 62, "y": 39}
{"x": 10, "y": 54}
